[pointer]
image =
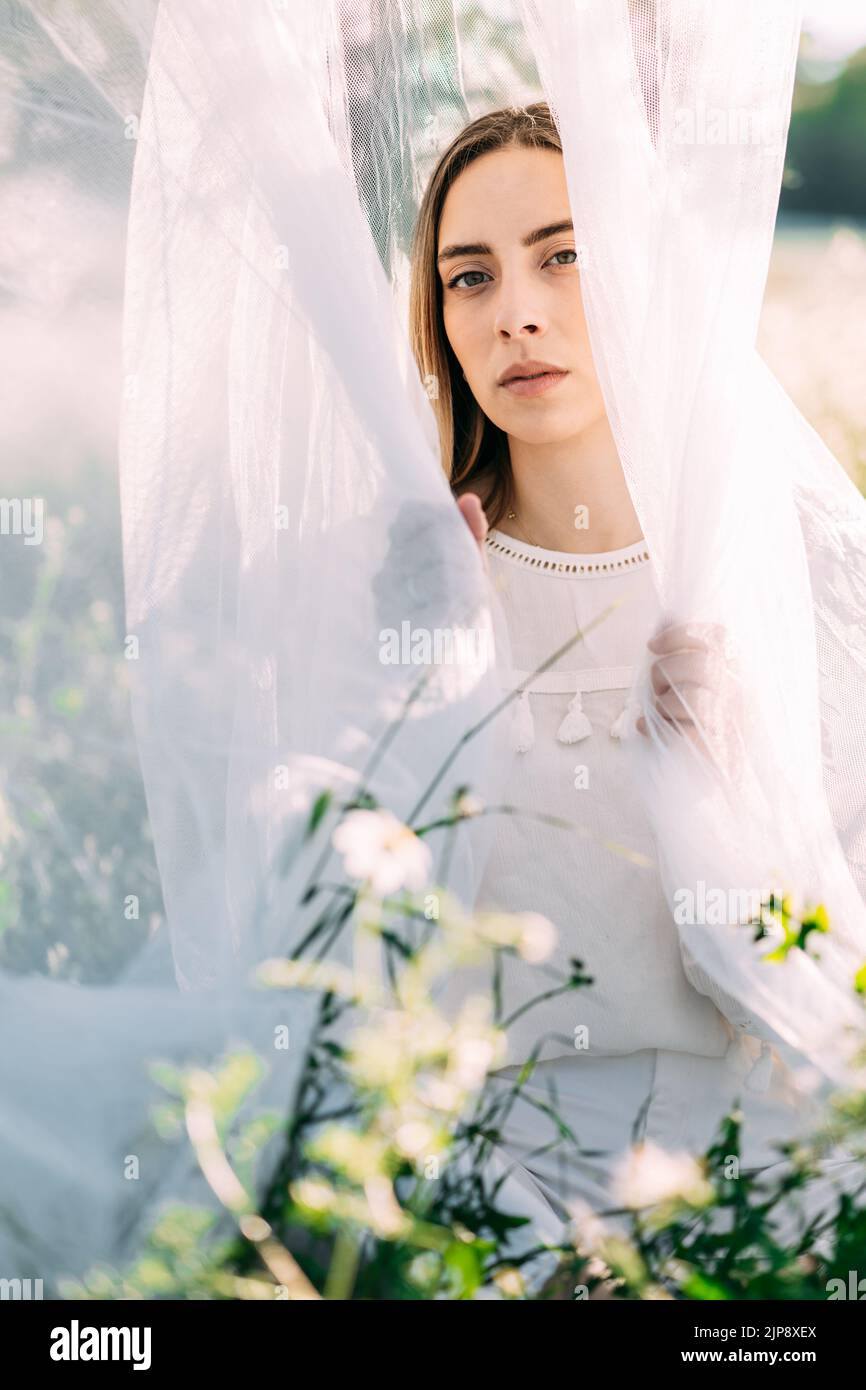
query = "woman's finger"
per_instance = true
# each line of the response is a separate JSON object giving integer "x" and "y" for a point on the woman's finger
{"x": 687, "y": 668}
{"x": 685, "y": 636}
{"x": 472, "y": 512}
{"x": 687, "y": 708}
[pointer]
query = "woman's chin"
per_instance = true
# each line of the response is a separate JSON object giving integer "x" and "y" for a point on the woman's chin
{"x": 537, "y": 426}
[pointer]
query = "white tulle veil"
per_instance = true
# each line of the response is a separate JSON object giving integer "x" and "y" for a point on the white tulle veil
{"x": 283, "y": 503}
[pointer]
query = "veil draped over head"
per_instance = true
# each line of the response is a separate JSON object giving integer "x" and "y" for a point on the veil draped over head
{"x": 260, "y": 164}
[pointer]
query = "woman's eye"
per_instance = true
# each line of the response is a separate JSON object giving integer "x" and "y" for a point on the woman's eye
{"x": 455, "y": 284}
{"x": 572, "y": 254}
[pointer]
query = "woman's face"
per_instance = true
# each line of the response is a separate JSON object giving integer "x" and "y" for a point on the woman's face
{"x": 511, "y": 295}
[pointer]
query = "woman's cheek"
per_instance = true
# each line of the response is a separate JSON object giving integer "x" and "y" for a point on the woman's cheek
{"x": 460, "y": 340}
{"x": 468, "y": 353}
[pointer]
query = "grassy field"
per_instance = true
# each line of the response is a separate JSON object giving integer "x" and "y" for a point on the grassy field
{"x": 812, "y": 330}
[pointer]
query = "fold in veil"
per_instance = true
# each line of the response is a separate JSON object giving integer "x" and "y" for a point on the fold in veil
{"x": 283, "y": 503}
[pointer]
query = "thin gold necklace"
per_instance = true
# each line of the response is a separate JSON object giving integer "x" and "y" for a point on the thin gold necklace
{"x": 512, "y": 516}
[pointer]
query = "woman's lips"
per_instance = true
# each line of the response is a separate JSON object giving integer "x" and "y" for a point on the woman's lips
{"x": 533, "y": 385}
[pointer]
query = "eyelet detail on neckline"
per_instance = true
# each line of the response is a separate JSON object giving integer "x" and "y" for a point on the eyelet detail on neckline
{"x": 547, "y": 561}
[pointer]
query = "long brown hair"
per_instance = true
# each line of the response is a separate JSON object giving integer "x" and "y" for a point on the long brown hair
{"x": 474, "y": 450}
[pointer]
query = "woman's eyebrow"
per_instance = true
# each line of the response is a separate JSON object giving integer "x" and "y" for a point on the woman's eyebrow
{"x": 468, "y": 248}
{"x": 480, "y": 248}
{"x": 544, "y": 232}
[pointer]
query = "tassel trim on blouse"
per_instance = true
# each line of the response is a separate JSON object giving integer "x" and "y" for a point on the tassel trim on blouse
{"x": 575, "y": 725}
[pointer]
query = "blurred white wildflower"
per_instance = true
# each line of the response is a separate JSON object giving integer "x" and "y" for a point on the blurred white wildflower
{"x": 416, "y": 1137}
{"x": 386, "y": 1216}
{"x": 587, "y": 1231}
{"x": 381, "y": 850}
{"x": 385, "y": 1053}
{"x": 314, "y": 1194}
{"x": 648, "y": 1175}
{"x": 537, "y": 937}
{"x": 359, "y": 1156}
{"x": 471, "y": 1061}
{"x": 309, "y": 974}
{"x": 529, "y": 933}
{"x": 510, "y": 1283}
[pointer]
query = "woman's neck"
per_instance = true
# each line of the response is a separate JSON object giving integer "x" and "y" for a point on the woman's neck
{"x": 572, "y": 495}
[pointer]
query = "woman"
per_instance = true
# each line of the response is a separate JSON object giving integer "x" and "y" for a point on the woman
{"x": 498, "y": 324}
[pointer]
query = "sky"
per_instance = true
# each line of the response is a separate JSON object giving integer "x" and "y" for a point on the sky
{"x": 838, "y": 26}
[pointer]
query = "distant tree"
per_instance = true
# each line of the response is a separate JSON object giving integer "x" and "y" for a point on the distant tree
{"x": 826, "y": 163}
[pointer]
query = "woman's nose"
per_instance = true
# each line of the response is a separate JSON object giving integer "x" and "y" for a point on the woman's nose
{"x": 515, "y": 323}
{"x": 507, "y": 331}
{"x": 516, "y": 318}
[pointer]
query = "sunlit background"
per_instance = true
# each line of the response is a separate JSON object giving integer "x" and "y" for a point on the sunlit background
{"x": 812, "y": 328}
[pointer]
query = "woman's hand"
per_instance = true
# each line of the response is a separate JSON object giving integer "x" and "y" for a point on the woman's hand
{"x": 696, "y": 689}
{"x": 473, "y": 514}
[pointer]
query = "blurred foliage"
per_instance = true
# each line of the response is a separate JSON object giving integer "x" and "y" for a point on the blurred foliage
{"x": 825, "y": 161}
{"x": 75, "y": 845}
{"x": 389, "y": 1182}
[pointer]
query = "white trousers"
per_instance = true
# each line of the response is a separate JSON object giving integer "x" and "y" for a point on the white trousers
{"x": 675, "y": 1100}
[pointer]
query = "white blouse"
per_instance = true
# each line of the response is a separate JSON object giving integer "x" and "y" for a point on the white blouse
{"x": 597, "y": 880}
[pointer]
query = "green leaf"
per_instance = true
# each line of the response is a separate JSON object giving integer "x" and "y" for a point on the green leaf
{"x": 180, "y": 1229}
{"x": 152, "y": 1274}
{"x": 168, "y": 1076}
{"x": 465, "y": 1264}
{"x": 235, "y": 1079}
{"x": 699, "y": 1287}
{"x": 320, "y": 806}
{"x": 69, "y": 701}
